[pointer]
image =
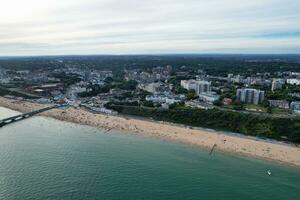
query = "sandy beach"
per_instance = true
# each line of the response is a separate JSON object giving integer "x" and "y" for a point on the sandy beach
{"x": 282, "y": 153}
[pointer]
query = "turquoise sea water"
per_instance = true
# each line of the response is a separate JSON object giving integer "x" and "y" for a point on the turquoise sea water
{"x": 42, "y": 158}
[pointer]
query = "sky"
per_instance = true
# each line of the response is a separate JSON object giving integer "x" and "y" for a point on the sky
{"x": 65, "y": 27}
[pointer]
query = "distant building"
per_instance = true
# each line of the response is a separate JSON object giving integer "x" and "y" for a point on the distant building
{"x": 295, "y": 94}
{"x": 103, "y": 110}
{"x": 295, "y": 106}
{"x": 293, "y": 81}
{"x": 155, "y": 88}
{"x": 43, "y": 101}
{"x": 256, "y": 81}
{"x": 238, "y": 79}
{"x": 168, "y": 99}
{"x": 230, "y": 76}
{"x": 203, "y": 87}
{"x": 208, "y": 97}
{"x": 189, "y": 84}
{"x": 248, "y": 80}
{"x": 279, "y": 104}
{"x": 277, "y": 84}
{"x": 182, "y": 73}
{"x": 249, "y": 95}
{"x": 198, "y": 104}
{"x": 87, "y": 74}
{"x": 165, "y": 106}
{"x": 227, "y": 101}
{"x": 197, "y": 85}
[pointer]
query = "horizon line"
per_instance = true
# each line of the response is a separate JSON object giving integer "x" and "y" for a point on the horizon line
{"x": 155, "y": 54}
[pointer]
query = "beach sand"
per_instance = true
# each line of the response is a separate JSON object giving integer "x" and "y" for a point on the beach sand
{"x": 247, "y": 146}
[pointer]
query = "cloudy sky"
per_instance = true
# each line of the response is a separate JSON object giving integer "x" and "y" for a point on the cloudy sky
{"x": 55, "y": 27}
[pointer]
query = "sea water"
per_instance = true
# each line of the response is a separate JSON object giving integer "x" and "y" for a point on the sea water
{"x": 42, "y": 158}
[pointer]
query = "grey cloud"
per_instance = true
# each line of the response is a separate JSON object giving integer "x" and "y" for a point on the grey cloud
{"x": 85, "y": 25}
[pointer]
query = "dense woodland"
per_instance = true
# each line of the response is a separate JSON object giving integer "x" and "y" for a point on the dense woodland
{"x": 212, "y": 64}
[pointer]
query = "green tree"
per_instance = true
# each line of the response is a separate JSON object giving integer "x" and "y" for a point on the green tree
{"x": 191, "y": 95}
{"x": 218, "y": 103}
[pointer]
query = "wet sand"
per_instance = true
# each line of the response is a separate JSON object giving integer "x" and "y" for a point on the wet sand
{"x": 247, "y": 146}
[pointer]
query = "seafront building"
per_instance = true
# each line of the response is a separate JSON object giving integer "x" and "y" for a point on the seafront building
{"x": 189, "y": 84}
{"x": 199, "y": 86}
{"x": 279, "y": 104}
{"x": 168, "y": 99}
{"x": 249, "y": 95}
{"x": 156, "y": 88}
{"x": 209, "y": 97}
{"x": 227, "y": 101}
{"x": 295, "y": 106}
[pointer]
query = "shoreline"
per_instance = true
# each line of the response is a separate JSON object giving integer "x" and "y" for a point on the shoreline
{"x": 233, "y": 144}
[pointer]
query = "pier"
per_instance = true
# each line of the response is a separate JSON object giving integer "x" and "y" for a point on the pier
{"x": 23, "y": 116}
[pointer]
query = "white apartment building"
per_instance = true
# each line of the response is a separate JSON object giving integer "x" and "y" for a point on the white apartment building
{"x": 295, "y": 106}
{"x": 249, "y": 95}
{"x": 293, "y": 81}
{"x": 209, "y": 97}
{"x": 197, "y": 85}
{"x": 277, "y": 84}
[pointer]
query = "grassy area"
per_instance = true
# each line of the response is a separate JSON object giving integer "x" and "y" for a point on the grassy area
{"x": 281, "y": 111}
{"x": 256, "y": 108}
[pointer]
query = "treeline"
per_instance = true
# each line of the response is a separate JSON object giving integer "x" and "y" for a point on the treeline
{"x": 287, "y": 129}
{"x": 285, "y": 93}
{"x": 30, "y": 63}
{"x": 5, "y": 91}
{"x": 67, "y": 79}
{"x": 213, "y": 64}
